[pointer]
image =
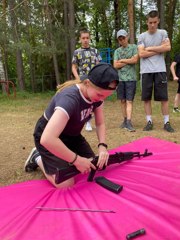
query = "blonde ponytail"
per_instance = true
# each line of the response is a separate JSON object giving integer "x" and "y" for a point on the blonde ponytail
{"x": 68, "y": 83}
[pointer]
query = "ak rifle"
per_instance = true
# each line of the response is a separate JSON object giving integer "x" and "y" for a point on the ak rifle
{"x": 119, "y": 157}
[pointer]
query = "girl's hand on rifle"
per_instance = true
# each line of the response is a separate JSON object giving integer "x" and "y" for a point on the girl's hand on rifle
{"x": 103, "y": 157}
{"x": 84, "y": 165}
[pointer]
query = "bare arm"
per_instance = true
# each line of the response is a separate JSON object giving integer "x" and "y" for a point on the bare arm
{"x": 164, "y": 47}
{"x": 143, "y": 53}
{"x": 118, "y": 64}
{"x": 132, "y": 60}
{"x": 154, "y": 50}
{"x": 172, "y": 68}
{"x": 101, "y": 134}
{"x": 123, "y": 62}
{"x": 100, "y": 123}
{"x": 74, "y": 71}
{"x": 50, "y": 140}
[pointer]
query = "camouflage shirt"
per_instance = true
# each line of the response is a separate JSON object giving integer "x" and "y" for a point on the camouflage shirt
{"x": 128, "y": 72}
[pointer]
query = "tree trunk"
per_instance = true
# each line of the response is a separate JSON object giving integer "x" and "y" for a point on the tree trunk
{"x": 19, "y": 60}
{"x": 131, "y": 20}
{"x": 2, "y": 72}
{"x": 4, "y": 48}
{"x": 67, "y": 47}
{"x": 116, "y": 16}
{"x": 161, "y": 4}
{"x": 72, "y": 29}
{"x": 52, "y": 42}
{"x": 69, "y": 25}
{"x": 141, "y": 11}
{"x": 2, "y": 75}
{"x": 96, "y": 27}
{"x": 29, "y": 54}
{"x": 106, "y": 28}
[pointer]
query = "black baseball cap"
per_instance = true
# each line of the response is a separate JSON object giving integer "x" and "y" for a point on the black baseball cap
{"x": 102, "y": 75}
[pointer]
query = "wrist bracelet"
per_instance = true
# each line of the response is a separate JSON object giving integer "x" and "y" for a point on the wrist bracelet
{"x": 102, "y": 144}
{"x": 71, "y": 163}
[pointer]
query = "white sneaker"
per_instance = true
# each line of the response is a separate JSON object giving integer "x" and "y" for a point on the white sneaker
{"x": 30, "y": 164}
{"x": 88, "y": 127}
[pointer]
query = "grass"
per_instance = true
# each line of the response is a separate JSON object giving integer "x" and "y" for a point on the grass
{"x": 19, "y": 115}
{"x": 24, "y": 102}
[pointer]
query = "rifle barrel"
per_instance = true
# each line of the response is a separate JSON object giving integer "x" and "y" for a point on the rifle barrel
{"x": 68, "y": 172}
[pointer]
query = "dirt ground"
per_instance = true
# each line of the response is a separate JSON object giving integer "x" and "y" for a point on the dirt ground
{"x": 18, "y": 117}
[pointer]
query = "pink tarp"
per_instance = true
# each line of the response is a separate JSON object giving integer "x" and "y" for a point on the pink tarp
{"x": 150, "y": 199}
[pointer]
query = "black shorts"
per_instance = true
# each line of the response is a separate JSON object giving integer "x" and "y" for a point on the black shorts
{"x": 178, "y": 91}
{"x": 156, "y": 82}
{"x": 126, "y": 90}
{"x": 77, "y": 144}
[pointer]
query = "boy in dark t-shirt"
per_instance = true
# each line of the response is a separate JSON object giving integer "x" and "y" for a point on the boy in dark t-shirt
{"x": 175, "y": 70}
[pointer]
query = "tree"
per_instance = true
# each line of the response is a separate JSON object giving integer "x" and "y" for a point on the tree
{"x": 117, "y": 20}
{"x": 169, "y": 23}
{"x": 38, "y": 37}
{"x": 131, "y": 20}
{"x": 52, "y": 41}
{"x": 2, "y": 72}
{"x": 141, "y": 16}
{"x": 16, "y": 38}
{"x": 69, "y": 26}
{"x": 4, "y": 54}
{"x": 30, "y": 41}
{"x": 161, "y": 5}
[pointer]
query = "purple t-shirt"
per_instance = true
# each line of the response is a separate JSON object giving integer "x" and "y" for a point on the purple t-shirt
{"x": 75, "y": 105}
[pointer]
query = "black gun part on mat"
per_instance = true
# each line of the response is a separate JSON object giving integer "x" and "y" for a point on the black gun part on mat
{"x": 109, "y": 185}
{"x": 119, "y": 157}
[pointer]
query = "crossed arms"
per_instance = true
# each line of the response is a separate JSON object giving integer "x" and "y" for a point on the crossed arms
{"x": 154, "y": 50}
{"x": 122, "y": 62}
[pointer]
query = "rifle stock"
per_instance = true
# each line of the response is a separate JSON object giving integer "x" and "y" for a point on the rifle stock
{"x": 71, "y": 171}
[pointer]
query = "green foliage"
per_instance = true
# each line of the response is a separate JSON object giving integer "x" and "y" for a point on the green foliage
{"x": 35, "y": 34}
{"x": 176, "y": 33}
{"x": 175, "y": 45}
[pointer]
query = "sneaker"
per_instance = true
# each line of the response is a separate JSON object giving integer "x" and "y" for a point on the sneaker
{"x": 148, "y": 127}
{"x": 168, "y": 128}
{"x": 129, "y": 126}
{"x": 88, "y": 127}
{"x": 30, "y": 164}
{"x": 123, "y": 124}
{"x": 176, "y": 110}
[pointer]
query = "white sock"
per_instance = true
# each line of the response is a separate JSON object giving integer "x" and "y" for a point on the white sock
{"x": 166, "y": 118}
{"x": 89, "y": 123}
{"x": 149, "y": 118}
